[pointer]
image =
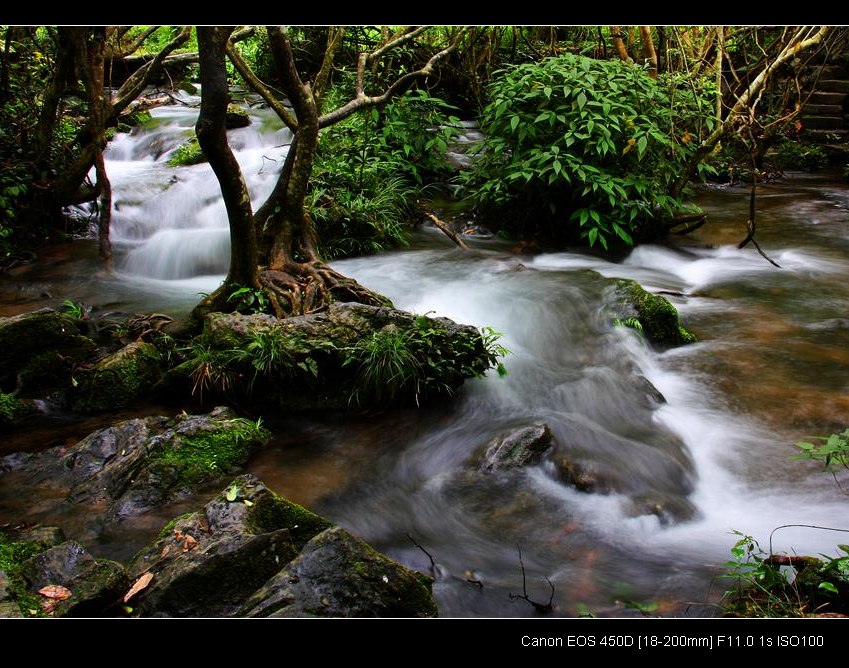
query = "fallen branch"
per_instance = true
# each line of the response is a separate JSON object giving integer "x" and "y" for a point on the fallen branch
{"x": 429, "y": 555}
{"x": 539, "y": 607}
{"x": 751, "y": 225}
{"x": 446, "y": 230}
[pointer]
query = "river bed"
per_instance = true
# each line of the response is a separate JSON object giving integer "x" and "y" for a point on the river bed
{"x": 770, "y": 368}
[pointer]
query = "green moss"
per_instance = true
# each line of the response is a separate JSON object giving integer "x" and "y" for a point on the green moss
{"x": 657, "y": 316}
{"x": 13, "y": 409}
{"x": 273, "y": 512}
{"x": 119, "y": 379}
{"x": 189, "y": 153}
{"x": 46, "y": 369}
{"x": 205, "y": 455}
{"x": 12, "y": 555}
{"x": 137, "y": 118}
{"x": 168, "y": 529}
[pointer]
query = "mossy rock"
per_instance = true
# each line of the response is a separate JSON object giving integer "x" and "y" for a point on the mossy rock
{"x": 13, "y": 410}
{"x": 243, "y": 554}
{"x": 118, "y": 379}
{"x": 207, "y": 563}
{"x": 323, "y": 357}
{"x": 657, "y": 317}
{"x": 42, "y": 347}
{"x": 237, "y": 117}
{"x": 189, "y": 153}
{"x": 135, "y": 118}
{"x": 94, "y": 584}
{"x": 339, "y": 575}
{"x": 139, "y": 464}
{"x": 16, "y": 548}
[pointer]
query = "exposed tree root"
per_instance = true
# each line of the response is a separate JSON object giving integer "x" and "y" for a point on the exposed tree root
{"x": 307, "y": 287}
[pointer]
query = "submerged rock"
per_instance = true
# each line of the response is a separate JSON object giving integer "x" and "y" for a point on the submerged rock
{"x": 521, "y": 447}
{"x": 138, "y": 464}
{"x": 339, "y": 575}
{"x": 657, "y": 317}
{"x": 41, "y": 347}
{"x": 118, "y": 379}
{"x": 583, "y": 476}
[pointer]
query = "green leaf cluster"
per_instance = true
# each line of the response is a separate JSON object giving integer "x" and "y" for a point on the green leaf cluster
{"x": 585, "y": 149}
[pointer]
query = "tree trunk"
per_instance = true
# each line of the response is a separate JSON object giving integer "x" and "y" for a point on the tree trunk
{"x": 619, "y": 43}
{"x": 649, "y": 54}
{"x": 212, "y": 136}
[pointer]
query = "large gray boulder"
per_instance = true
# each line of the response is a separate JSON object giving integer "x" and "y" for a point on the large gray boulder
{"x": 207, "y": 563}
{"x": 250, "y": 552}
{"x": 339, "y": 575}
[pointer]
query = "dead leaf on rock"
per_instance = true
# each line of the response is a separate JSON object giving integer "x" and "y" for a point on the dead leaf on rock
{"x": 189, "y": 544}
{"x": 165, "y": 551}
{"x": 58, "y": 592}
{"x": 141, "y": 583}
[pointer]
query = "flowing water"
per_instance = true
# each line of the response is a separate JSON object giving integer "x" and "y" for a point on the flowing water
{"x": 771, "y": 368}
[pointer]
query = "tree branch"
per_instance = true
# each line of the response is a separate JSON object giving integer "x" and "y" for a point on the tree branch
{"x": 259, "y": 87}
{"x": 134, "y": 46}
{"x": 322, "y": 79}
{"x": 801, "y": 40}
{"x": 396, "y": 42}
{"x": 362, "y": 101}
{"x": 133, "y": 86}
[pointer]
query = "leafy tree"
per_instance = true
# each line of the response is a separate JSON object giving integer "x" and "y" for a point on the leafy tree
{"x": 281, "y": 235}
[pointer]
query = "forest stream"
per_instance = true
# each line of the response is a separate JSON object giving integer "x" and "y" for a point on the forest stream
{"x": 770, "y": 369}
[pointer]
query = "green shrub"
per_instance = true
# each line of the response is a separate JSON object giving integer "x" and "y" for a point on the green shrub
{"x": 581, "y": 149}
{"x": 768, "y": 585}
{"x": 370, "y": 169}
{"x": 832, "y": 451}
{"x": 804, "y": 157}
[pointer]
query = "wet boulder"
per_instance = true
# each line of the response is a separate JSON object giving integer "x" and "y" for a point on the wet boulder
{"x": 118, "y": 379}
{"x": 339, "y": 575}
{"x": 41, "y": 348}
{"x": 142, "y": 463}
{"x": 250, "y": 552}
{"x": 521, "y": 447}
{"x": 236, "y": 117}
{"x": 207, "y": 563}
{"x": 669, "y": 508}
{"x": 88, "y": 586}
